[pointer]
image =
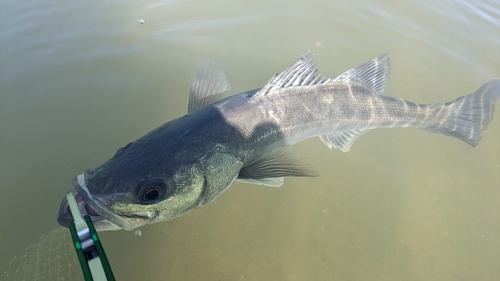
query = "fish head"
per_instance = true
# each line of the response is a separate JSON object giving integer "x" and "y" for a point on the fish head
{"x": 143, "y": 183}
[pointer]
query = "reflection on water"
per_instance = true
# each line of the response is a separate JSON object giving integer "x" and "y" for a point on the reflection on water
{"x": 80, "y": 79}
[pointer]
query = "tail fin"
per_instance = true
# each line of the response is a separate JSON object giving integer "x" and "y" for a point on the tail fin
{"x": 470, "y": 114}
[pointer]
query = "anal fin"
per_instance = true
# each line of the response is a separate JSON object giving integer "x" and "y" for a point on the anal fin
{"x": 342, "y": 140}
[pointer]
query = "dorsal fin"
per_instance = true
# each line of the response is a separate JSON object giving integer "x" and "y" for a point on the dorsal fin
{"x": 301, "y": 73}
{"x": 373, "y": 74}
{"x": 207, "y": 87}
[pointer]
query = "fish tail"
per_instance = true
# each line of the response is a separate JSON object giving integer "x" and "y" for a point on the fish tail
{"x": 466, "y": 117}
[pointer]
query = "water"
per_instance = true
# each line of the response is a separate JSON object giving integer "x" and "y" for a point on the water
{"x": 78, "y": 80}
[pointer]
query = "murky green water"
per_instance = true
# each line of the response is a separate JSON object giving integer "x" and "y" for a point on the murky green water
{"x": 80, "y": 79}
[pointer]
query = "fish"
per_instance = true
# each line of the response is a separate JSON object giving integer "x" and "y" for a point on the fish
{"x": 190, "y": 161}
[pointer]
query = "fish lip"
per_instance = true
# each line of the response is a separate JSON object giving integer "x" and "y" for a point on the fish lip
{"x": 64, "y": 215}
{"x": 97, "y": 205}
{"x": 91, "y": 206}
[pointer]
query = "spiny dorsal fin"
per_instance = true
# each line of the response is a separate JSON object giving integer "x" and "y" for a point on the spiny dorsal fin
{"x": 276, "y": 165}
{"x": 373, "y": 74}
{"x": 301, "y": 73}
{"x": 207, "y": 87}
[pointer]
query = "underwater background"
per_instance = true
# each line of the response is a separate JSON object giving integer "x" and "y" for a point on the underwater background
{"x": 78, "y": 80}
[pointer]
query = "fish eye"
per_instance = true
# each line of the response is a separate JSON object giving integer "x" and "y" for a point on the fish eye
{"x": 153, "y": 190}
{"x": 151, "y": 194}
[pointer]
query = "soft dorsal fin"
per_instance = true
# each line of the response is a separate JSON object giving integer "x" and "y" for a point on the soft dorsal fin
{"x": 276, "y": 165}
{"x": 373, "y": 74}
{"x": 301, "y": 73}
{"x": 207, "y": 87}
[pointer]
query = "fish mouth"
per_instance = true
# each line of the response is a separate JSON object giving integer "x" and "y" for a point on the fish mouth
{"x": 103, "y": 218}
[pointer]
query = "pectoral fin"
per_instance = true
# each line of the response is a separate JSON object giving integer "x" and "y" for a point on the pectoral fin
{"x": 341, "y": 140}
{"x": 274, "y": 182}
{"x": 270, "y": 170}
{"x": 207, "y": 87}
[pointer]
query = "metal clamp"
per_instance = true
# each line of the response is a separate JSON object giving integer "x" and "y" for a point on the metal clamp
{"x": 93, "y": 260}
